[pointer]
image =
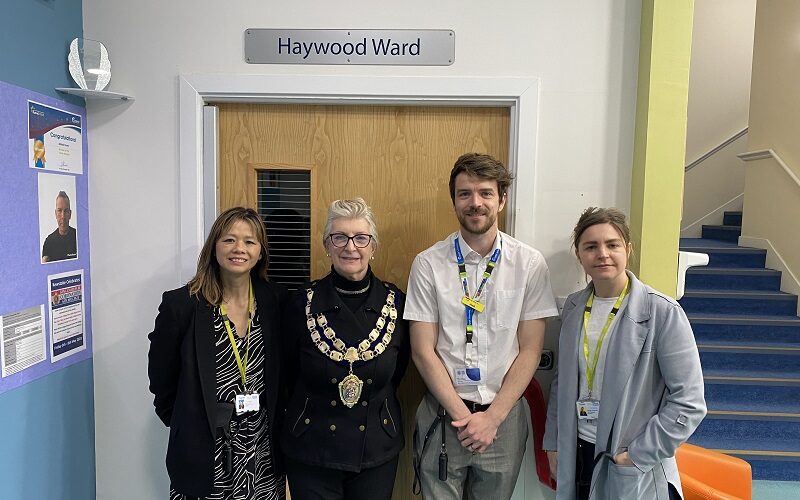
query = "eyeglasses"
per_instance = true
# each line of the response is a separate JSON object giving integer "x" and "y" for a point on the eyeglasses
{"x": 340, "y": 240}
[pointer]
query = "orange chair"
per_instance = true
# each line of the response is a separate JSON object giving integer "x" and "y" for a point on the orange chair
{"x": 710, "y": 475}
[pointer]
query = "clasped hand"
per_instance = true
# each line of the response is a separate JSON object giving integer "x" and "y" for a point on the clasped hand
{"x": 477, "y": 431}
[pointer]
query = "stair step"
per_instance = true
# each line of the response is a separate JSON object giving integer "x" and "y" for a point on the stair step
{"x": 722, "y": 232}
{"x": 752, "y": 363}
{"x": 773, "y": 434}
{"x": 732, "y": 218}
{"x": 772, "y": 450}
{"x": 751, "y": 398}
{"x": 778, "y": 331}
{"x": 725, "y": 253}
{"x": 771, "y": 466}
{"x": 757, "y": 303}
{"x": 726, "y": 278}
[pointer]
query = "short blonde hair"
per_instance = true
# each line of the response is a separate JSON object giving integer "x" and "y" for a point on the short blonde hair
{"x": 355, "y": 208}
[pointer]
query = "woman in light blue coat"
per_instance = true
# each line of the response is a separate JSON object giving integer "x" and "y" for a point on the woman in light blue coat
{"x": 628, "y": 389}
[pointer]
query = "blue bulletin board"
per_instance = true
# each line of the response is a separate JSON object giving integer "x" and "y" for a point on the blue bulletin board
{"x": 45, "y": 275}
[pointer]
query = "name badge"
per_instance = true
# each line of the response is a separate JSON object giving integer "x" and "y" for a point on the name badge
{"x": 247, "y": 402}
{"x": 467, "y": 376}
{"x": 472, "y": 303}
{"x": 587, "y": 409}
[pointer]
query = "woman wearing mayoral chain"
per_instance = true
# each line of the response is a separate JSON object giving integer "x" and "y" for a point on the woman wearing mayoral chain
{"x": 214, "y": 368}
{"x": 347, "y": 349}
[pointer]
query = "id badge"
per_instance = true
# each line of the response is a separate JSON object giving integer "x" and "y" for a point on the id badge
{"x": 474, "y": 304}
{"x": 467, "y": 376}
{"x": 247, "y": 402}
{"x": 587, "y": 409}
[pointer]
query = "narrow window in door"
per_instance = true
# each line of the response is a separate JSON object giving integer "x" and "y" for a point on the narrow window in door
{"x": 284, "y": 203}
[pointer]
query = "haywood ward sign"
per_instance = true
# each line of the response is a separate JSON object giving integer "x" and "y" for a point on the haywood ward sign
{"x": 378, "y": 47}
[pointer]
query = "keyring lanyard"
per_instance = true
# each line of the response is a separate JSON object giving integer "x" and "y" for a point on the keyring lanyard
{"x": 242, "y": 365}
{"x": 591, "y": 369}
{"x": 472, "y": 304}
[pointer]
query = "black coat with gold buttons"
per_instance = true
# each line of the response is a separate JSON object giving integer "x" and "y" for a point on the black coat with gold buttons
{"x": 318, "y": 428}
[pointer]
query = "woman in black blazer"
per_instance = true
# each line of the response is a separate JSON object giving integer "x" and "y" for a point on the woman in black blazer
{"x": 215, "y": 372}
{"x": 347, "y": 349}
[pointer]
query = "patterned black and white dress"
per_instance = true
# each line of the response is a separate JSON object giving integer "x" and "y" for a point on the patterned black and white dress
{"x": 253, "y": 476}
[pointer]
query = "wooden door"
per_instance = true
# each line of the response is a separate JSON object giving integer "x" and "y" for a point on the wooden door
{"x": 398, "y": 158}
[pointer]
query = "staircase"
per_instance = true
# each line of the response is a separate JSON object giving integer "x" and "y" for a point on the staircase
{"x": 748, "y": 334}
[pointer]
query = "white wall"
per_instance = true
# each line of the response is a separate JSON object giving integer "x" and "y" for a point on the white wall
{"x": 719, "y": 103}
{"x": 719, "y": 75}
{"x": 772, "y": 192}
{"x": 713, "y": 187}
{"x": 585, "y": 54}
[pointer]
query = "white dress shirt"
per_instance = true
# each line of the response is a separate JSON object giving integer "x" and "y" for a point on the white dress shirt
{"x": 518, "y": 290}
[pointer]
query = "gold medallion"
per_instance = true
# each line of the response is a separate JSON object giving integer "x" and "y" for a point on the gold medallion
{"x": 350, "y": 390}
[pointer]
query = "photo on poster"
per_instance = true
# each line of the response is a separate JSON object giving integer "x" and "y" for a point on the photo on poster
{"x": 22, "y": 343}
{"x": 58, "y": 218}
{"x": 55, "y": 139}
{"x": 67, "y": 314}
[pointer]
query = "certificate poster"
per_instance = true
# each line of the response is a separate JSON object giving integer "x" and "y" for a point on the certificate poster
{"x": 54, "y": 139}
{"x": 22, "y": 337}
{"x": 66, "y": 314}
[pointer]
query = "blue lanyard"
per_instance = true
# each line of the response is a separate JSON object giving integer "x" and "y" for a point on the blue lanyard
{"x": 462, "y": 273}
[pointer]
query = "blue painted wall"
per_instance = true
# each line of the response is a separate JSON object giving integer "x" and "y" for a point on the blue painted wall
{"x": 47, "y": 448}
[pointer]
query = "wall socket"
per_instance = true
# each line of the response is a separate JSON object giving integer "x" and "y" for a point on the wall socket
{"x": 547, "y": 360}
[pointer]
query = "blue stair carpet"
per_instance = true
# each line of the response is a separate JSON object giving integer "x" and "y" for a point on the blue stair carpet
{"x": 736, "y": 329}
{"x": 726, "y": 253}
{"x": 748, "y": 334}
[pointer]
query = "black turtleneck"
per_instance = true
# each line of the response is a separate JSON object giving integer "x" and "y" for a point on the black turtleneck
{"x": 359, "y": 290}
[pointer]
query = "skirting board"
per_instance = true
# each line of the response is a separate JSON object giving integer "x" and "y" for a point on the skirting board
{"x": 789, "y": 281}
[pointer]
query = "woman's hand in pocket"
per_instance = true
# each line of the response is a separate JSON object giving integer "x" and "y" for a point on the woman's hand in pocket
{"x": 623, "y": 458}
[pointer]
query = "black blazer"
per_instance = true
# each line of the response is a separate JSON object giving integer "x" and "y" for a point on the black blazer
{"x": 319, "y": 430}
{"x": 183, "y": 379}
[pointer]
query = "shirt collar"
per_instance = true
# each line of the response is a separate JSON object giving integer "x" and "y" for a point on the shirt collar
{"x": 472, "y": 255}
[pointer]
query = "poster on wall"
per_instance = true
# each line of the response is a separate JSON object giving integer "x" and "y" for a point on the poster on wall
{"x": 54, "y": 139}
{"x": 22, "y": 337}
{"x": 58, "y": 222}
{"x": 66, "y": 314}
{"x": 45, "y": 252}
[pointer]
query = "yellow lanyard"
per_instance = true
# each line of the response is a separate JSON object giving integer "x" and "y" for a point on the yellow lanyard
{"x": 242, "y": 365}
{"x": 591, "y": 369}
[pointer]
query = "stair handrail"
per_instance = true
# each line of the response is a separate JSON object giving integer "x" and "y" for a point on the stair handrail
{"x": 727, "y": 142}
{"x": 763, "y": 154}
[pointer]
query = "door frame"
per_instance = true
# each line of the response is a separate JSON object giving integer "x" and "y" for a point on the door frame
{"x": 197, "y": 174}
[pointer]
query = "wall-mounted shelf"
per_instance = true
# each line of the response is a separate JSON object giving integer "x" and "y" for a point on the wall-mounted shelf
{"x": 95, "y": 94}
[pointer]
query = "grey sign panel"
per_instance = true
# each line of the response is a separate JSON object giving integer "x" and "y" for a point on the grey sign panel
{"x": 379, "y": 47}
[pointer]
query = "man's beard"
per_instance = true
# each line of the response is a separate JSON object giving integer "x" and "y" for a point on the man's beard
{"x": 465, "y": 225}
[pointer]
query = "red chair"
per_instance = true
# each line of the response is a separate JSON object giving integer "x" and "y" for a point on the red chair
{"x": 533, "y": 394}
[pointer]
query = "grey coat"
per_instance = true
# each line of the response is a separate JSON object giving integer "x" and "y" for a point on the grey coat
{"x": 652, "y": 397}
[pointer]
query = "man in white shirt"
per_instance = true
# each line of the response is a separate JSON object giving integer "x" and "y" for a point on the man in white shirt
{"x": 477, "y": 302}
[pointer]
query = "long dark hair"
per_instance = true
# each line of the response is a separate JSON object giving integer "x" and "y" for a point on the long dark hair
{"x": 207, "y": 283}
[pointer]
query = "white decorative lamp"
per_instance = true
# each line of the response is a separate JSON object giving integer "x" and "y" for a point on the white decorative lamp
{"x": 89, "y": 64}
